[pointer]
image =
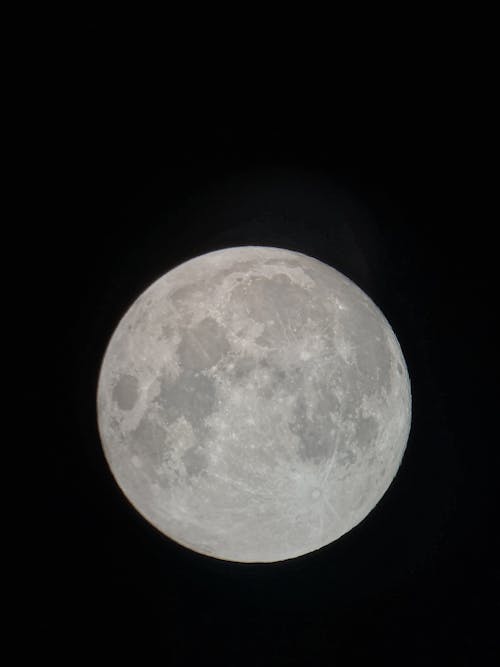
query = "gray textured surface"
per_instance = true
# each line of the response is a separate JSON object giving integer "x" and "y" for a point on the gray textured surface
{"x": 254, "y": 404}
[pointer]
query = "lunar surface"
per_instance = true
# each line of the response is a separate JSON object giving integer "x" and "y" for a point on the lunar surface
{"x": 254, "y": 404}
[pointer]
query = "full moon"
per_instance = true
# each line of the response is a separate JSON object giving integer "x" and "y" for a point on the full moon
{"x": 254, "y": 404}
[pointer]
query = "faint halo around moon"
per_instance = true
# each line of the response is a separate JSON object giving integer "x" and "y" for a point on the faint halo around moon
{"x": 254, "y": 404}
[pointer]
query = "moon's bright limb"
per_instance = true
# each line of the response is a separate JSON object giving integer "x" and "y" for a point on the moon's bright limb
{"x": 254, "y": 404}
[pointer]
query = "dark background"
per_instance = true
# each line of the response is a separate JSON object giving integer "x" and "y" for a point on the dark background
{"x": 386, "y": 196}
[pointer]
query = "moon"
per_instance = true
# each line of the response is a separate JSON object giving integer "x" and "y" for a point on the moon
{"x": 254, "y": 404}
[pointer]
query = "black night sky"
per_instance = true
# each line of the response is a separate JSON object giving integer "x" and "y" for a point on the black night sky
{"x": 385, "y": 197}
